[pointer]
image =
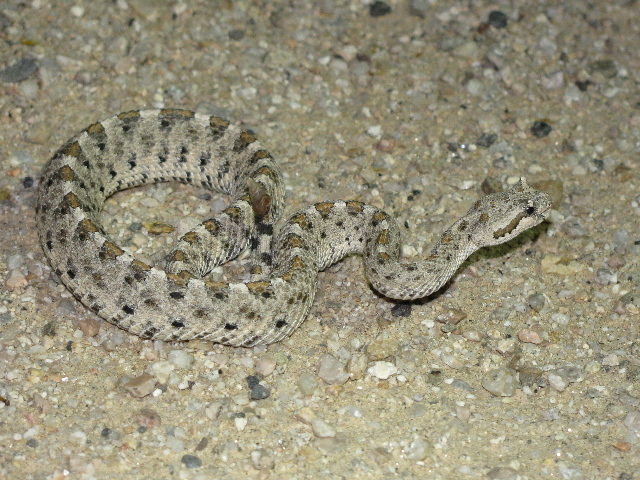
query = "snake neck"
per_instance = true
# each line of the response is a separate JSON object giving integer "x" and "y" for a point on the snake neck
{"x": 412, "y": 280}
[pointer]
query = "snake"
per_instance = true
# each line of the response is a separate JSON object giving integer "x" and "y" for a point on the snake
{"x": 180, "y": 300}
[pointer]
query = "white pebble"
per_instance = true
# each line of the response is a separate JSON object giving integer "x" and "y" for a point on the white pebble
{"x": 374, "y": 131}
{"x": 418, "y": 449}
{"x": 382, "y": 370}
{"x": 77, "y": 11}
{"x": 240, "y": 423}
{"x": 161, "y": 371}
{"x": 475, "y": 87}
{"x": 322, "y": 429}
{"x": 180, "y": 358}
{"x": 559, "y": 382}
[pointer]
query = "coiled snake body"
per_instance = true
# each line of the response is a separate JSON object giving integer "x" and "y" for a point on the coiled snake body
{"x": 179, "y": 303}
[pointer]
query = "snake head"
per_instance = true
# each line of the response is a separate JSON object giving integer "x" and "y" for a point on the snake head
{"x": 499, "y": 217}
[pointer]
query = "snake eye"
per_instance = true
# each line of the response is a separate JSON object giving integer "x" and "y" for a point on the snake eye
{"x": 530, "y": 210}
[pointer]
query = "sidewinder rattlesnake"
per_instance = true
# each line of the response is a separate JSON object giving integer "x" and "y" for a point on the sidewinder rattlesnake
{"x": 179, "y": 303}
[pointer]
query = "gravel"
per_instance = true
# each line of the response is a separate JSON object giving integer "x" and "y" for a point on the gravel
{"x": 501, "y": 382}
{"x": 409, "y": 111}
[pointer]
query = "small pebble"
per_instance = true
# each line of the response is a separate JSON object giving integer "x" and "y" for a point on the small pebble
{"x": 351, "y": 411}
{"x": 176, "y": 93}
{"x": 83, "y": 77}
{"x": 90, "y": 327}
{"x": 252, "y": 381}
{"x": 16, "y": 280}
{"x": 607, "y": 68}
{"x": 386, "y": 145}
{"x": 616, "y": 262}
{"x": 161, "y": 371}
{"x": 383, "y": 347}
{"x": 497, "y": 19}
{"x": 331, "y": 370}
{"x": 260, "y": 392}
{"x": 382, "y": 370}
{"x": 202, "y": 444}
{"x": 611, "y": 360}
{"x": 261, "y": 460}
{"x": 240, "y": 423}
{"x": 374, "y": 131}
{"x": 418, "y": 449}
{"x": 475, "y": 87}
{"x": 29, "y": 88}
{"x": 416, "y": 410}
{"x": 307, "y": 383}
{"x": 529, "y": 336}
{"x": 472, "y": 335}
{"x": 14, "y": 261}
{"x": 265, "y": 366}
{"x": 451, "y": 316}
{"x": 486, "y": 140}
{"x": 503, "y": 473}
{"x": 501, "y": 382}
{"x": 569, "y": 471}
{"x": 109, "y": 434}
{"x": 401, "y": 310}
{"x": 463, "y": 414}
{"x": 536, "y": 301}
{"x": 357, "y": 365}
{"x": 379, "y": 8}
{"x": 540, "y": 129}
{"x": 553, "y": 81}
{"x": 180, "y": 358}
{"x": 604, "y": 276}
{"x": 627, "y": 399}
{"x": 140, "y": 386}
{"x": 19, "y": 71}
{"x": 77, "y": 11}
{"x": 621, "y": 240}
{"x": 574, "y": 228}
{"x": 561, "y": 265}
{"x": 628, "y": 299}
{"x": 419, "y": 8}
{"x": 632, "y": 421}
{"x": 623, "y": 447}
{"x": 236, "y": 34}
{"x": 322, "y": 429}
{"x": 7, "y": 317}
{"x": 148, "y": 418}
{"x": 563, "y": 376}
{"x": 559, "y": 382}
{"x": 191, "y": 461}
{"x": 462, "y": 385}
{"x": 306, "y": 415}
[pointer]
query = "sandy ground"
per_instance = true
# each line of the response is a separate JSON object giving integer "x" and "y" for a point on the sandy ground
{"x": 526, "y": 366}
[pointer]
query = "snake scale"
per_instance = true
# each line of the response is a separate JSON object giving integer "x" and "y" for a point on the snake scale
{"x": 179, "y": 302}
